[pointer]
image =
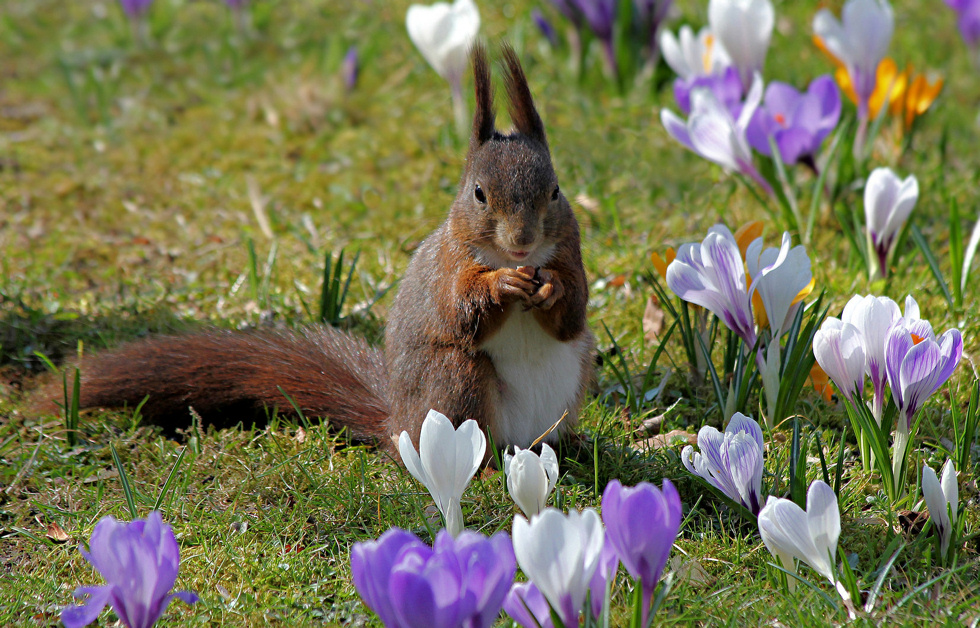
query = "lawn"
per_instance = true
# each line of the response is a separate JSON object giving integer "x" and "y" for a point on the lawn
{"x": 200, "y": 175}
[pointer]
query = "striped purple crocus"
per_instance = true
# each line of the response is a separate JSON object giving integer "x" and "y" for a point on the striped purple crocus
{"x": 917, "y": 364}
{"x": 731, "y": 461}
{"x": 711, "y": 274}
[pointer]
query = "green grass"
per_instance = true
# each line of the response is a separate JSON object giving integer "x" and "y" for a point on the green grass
{"x": 125, "y": 210}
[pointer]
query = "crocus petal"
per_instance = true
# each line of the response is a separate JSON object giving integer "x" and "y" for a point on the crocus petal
{"x": 444, "y": 33}
{"x": 77, "y": 616}
{"x": 840, "y": 352}
{"x": 888, "y": 201}
{"x": 823, "y": 521}
{"x": 950, "y": 489}
{"x": 741, "y": 423}
{"x": 744, "y": 28}
{"x": 935, "y": 498}
{"x": 524, "y": 597}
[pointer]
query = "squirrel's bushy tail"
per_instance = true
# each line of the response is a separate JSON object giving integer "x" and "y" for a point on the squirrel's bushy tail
{"x": 232, "y": 376}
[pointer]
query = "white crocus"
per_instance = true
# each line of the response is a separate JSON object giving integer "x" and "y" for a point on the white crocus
{"x": 530, "y": 477}
{"x": 713, "y": 133}
{"x": 444, "y": 34}
{"x": 744, "y": 29}
{"x": 840, "y": 351}
{"x": 790, "y": 533}
{"x": 449, "y": 458}
{"x": 859, "y": 40}
{"x": 693, "y": 55}
{"x": 873, "y": 317}
{"x": 942, "y": 498}
{"x": 779, "y": 276}
{"x": 559, "y": 553}
{"x": 888, "y": 201}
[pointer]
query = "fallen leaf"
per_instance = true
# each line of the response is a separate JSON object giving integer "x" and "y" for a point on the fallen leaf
{"x": 300, "y": 435}
{"x": 653, "y": 319}
{"x": 672, "y": 438}
{"x": 56, "y": 533}
{"x": 912, "y": 522}
{"x": 690, "y": 570}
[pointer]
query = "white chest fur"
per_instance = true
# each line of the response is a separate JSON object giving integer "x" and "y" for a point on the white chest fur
{"x": 541, "y": 377}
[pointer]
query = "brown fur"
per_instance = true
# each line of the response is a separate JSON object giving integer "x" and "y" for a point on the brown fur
{"x": 448, "y": 305}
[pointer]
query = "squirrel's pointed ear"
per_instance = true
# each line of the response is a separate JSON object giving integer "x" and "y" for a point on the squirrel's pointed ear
{"x": 520, "y": 103}
{"x": 483, "y": 118}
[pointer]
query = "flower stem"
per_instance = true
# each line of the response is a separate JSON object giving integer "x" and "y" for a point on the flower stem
{"x": 459, "y": 108}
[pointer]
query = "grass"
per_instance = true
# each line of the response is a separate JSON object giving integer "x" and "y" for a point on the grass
{"x": 134, "y": 181}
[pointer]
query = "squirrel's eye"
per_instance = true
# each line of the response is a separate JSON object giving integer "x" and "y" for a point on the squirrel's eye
{"x": 480, "y": 196}
{"x": 554, "y": 195}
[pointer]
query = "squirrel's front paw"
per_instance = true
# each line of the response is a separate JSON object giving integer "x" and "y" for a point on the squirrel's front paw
{"x": 513, "y": 284}
{"x": 549, "y": 290}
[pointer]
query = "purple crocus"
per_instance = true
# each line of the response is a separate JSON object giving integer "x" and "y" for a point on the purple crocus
{"x": 725, "y": 85}
{"x": 139, "y": 561}
{"x": 968, "y": 19}
{"x": 600, "y": 17}
{"x": 730, "y": 461}
{"x": 457, "y": 582}
{"x": 526, "y": 605}
{"x": 545, "y": 27}
{"x": 712, "y": 274}
{"x": 135, "y": 8}
{"x": 641, "y": 523}
{"x": 798, "y": 123}
{"x": 918, "y": 363}
{"x": 650, "y": 17}
{"x": 350, "y": 68}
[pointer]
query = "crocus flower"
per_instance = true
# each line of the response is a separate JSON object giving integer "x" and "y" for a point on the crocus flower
{"x": 888, "y": 201}
{"x": 559, "y": 553}
{"x": 600, "y": 17}
{"x": 872, "y": 317}
{"x": 859, "y": 40}
{"x": 840, "y": 351}
{"x": 531, "y": 478}
{"x": 919, "y": 96}
{"x": 642, "y": 522}
{"x": 917, "y": 364}
{"x": 714, "y": 133}
{"x": 730, "y": 461}
{"x": 712, "y": 275}
{"x": 448, "y": 460}
{"x": 371, "y": 563}
{"x": 790, "y": 533}
{"x": 350, "y": 68}
{"x": 135, "y": 8}
{"x": 650, "y": 16}
{"x": 942, "y": 498}
{"x": 968, "y": 20}
{"x": 139, "y": 560}
{"x": 444, "y": 34}
{"x": 726, "y": 86}
{"x": 798, "y": 123}
{"x": 692, "y": 55}
{"x": 779, "y": 276}
{"x": 545, "y": 27}
{"x": 744, "y": 28}
{"x": 459, "y": 581}
{"x": 527, "y": 606}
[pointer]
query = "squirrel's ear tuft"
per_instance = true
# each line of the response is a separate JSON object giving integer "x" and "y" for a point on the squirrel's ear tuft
{"x": 520, "y": 103}
{"x": 483, "y": 118}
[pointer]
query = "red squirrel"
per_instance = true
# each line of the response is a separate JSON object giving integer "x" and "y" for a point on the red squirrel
{"x": 489, "y": 322}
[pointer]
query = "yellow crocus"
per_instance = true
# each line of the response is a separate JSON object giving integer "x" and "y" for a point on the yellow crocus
{"x": 919, "y": 96}
{"x": 660, "y": 263}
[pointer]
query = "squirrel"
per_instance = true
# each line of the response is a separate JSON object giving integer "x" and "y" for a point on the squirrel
{"x": 489, "y": 321}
